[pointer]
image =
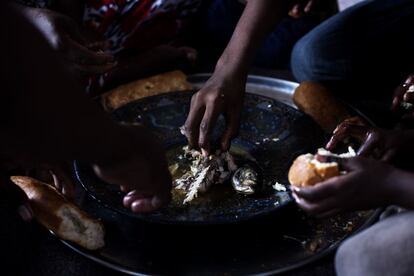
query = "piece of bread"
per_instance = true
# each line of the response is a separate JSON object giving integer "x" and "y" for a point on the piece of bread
{"x": 307, "y": 171}
{"x": 163, "y": 83}
{"x": 318, "y": 102}
{"x": 63, "y": 218}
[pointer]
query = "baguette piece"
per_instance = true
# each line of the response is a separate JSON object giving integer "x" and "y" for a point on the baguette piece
{"x": 63, "y": 218}
{"x": 318, "y": 102}
{"x": 163, "y": 83}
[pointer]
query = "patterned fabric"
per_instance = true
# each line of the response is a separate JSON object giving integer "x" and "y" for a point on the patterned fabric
{"x": 134, "y": 24}
{"x": 139, "y": 24}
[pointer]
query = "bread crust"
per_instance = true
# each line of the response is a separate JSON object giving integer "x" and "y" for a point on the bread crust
{"x": 319, "y": 103}
{"x": 49, "y": 208}
{"x": 307, "y": 171}
{"x": 163, "y": 83}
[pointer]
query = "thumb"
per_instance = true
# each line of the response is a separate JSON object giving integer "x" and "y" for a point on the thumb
{"x": 309, "y": 6}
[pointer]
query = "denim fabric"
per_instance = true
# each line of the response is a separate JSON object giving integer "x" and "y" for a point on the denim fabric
{"x": 220, "y": 20}
{"x": 369, "y": 44}
{"x": 386, "y": 248}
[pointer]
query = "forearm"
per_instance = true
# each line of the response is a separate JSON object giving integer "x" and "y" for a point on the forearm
{"x": 257, "y": 20}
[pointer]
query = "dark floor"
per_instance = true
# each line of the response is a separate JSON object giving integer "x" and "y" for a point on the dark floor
{"x": 48, "y": 256}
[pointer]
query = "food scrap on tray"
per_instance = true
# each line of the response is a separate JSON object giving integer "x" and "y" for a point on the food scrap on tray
{"x": 197, "y": 174}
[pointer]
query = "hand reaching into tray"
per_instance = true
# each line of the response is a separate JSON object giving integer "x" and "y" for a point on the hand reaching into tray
{"x": 141, "y": 170}
{"x": 222, "y": 94}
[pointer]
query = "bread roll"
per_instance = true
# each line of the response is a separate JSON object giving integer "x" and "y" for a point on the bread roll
{"x": 307, "y": 171}
{"x": 63, "y": 218}
{"x": 319, "y": 103}
{"x": 163, "y": 83}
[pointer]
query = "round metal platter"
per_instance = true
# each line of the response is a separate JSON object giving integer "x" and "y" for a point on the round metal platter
{"x": 241, "y": 236}
{"x": 270, "y": 132}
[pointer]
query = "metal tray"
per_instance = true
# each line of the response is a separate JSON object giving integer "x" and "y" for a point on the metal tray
{"x": 268, "y": 244}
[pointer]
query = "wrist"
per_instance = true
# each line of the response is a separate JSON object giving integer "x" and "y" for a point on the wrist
{"x": 233, "y": 65}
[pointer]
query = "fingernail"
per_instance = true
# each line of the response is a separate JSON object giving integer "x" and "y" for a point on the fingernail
{"x": 156, "y": 202}
{"x": 191, "y": 56}
{"x": 204, "y": 152}
{"x": 25, "y": 213}
{"x": 294, "y": 188}
{"x": 123, "y": 188}
{"x": 328, "y": 145}
{"x": 395, "y": 101}
{"x": 296, "y": 198}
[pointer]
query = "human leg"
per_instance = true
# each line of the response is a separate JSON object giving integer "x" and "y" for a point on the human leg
{"x": 386, "y": 248}
{"x": 368, "y": 44}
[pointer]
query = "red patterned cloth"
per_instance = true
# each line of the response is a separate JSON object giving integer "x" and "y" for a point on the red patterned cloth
{"x": 139, "y": 24}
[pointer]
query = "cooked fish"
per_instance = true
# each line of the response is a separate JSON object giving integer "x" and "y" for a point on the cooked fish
{"x": 244, "y": 180}
{"x": 204, "y": 172}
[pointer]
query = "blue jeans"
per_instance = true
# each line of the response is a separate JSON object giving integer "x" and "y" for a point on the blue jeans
{"x": 220, "y": 19}
{"x": 385, "y": 248}
{"x": 370, "y": 45}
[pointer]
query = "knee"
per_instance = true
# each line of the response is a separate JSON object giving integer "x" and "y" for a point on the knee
{"x": 344, "y": 256}
{"x": 302, "y": 60}
{"x": 319, "y": 57}
{"x": 356, "y": 257}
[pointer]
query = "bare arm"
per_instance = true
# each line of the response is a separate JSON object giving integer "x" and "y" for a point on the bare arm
{"x": 257, "y": 20}
{"x": 223, "y": 92}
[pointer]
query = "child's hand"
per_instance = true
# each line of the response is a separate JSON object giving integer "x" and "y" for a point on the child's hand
{"x": 301, "y": 7}
{"x": 383, "y": 144}
{"x": 222, "y": 94}
{"x": 141, "y": 171}
{"x": 64, "y": 35}
{"x": 367, "y": 184}
{"x": 403, "y": 94}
